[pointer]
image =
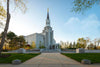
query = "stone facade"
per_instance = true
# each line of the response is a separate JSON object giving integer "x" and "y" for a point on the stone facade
{"x": 46, "y": 37}
{"x": 36, "y": 37}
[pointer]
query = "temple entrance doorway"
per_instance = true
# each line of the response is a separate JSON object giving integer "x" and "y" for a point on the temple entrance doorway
{"x": 52, "y": 47}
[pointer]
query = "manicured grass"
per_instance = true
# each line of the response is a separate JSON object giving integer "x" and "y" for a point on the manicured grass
{"x": 22, "y": 57}
{"x": 94, "y": 57}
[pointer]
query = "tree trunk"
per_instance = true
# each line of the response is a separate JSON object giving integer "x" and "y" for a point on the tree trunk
{"x": 5, "y": 47}
{"x": 6, "y": 28}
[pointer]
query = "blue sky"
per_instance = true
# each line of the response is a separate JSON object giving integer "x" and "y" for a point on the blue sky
{"x": 67, "y": 25}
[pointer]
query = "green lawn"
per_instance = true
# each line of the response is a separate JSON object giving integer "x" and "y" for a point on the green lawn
{"x": 94, "y": 57}
{"x": 22, "y": 57}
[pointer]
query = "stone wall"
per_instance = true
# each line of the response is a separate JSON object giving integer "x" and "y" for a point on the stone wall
{"x": 92, "y": 51}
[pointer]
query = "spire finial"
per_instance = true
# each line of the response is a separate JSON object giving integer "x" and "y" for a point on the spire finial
{"x": 47, "y": 20}
{"x": 48, "y": 10}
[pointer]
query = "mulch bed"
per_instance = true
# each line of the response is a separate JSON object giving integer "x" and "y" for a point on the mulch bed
{"x": 4, "y": 55}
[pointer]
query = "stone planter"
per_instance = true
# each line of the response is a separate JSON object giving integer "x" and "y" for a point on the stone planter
{"x": 21, "y": 50}
{"x": 86, "y": 61}
{"x": 17, "y": 61}
{"x": 80, "y": 50}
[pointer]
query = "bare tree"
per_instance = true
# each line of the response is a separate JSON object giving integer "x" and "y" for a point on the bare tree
{"x": 18, "y": 3}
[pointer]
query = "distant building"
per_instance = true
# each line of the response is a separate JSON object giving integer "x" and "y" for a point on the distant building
{"x": 45, "y": 38}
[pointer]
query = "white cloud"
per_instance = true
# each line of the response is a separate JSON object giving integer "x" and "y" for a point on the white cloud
{"x": 89, "y": 23}
{"x": 87, "y": 27}
{"x": 73, "y": 19}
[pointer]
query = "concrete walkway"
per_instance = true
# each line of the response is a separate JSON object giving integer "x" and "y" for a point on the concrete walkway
{"x": 50, "y": 60}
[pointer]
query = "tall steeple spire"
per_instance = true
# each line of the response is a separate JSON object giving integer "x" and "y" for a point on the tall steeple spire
{"x": 48, "y": 33}
{"x": 47, "y": 20}
{"x": 47, "y": 13}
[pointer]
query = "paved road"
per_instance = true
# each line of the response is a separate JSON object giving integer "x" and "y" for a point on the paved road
{"x": 50, "y": 60}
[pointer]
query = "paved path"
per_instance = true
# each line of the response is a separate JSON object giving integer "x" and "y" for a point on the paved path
{"x": 50, "y": 60}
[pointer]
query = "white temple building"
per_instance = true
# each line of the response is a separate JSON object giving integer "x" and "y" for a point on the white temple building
{"x": 46, "y": 38}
